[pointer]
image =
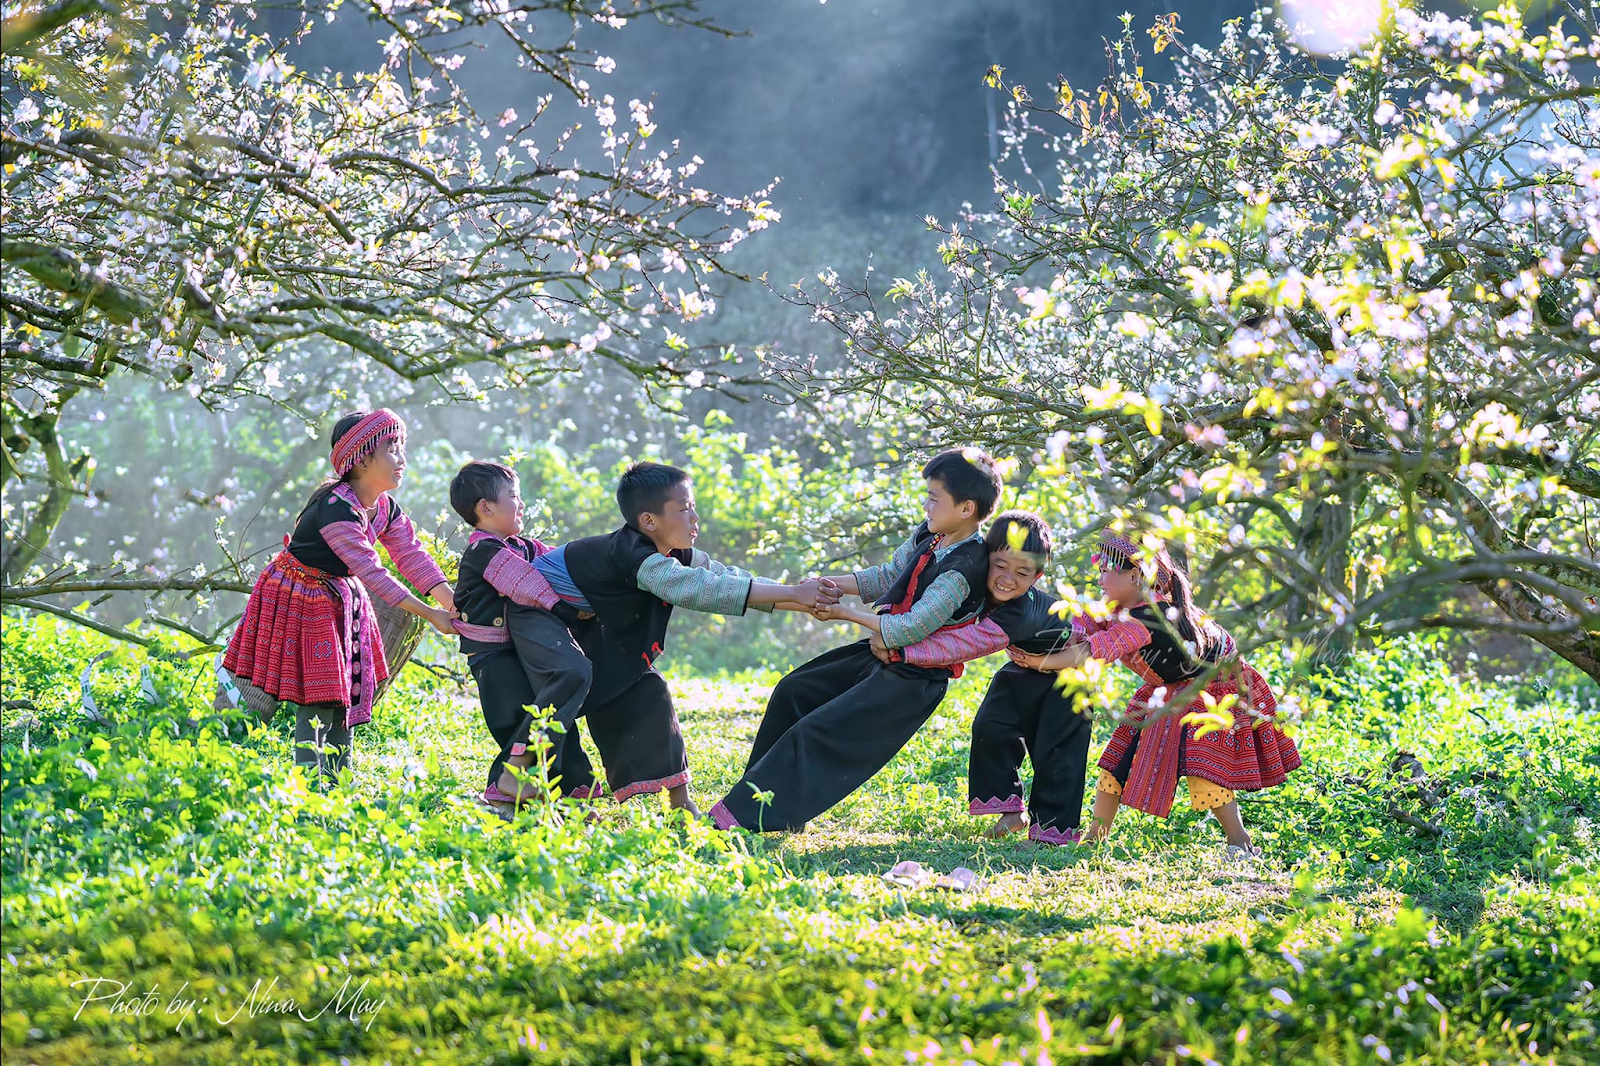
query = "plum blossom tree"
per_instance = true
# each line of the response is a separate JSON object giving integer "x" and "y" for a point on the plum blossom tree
{"x": 1330, "y": 324}
{"x": 182, "y": 202}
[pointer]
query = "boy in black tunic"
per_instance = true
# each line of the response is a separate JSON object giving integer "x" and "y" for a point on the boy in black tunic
{"x": 629, "y": 581}
{"x": 1024, "y": 714}
{"x": 834, "y": 722}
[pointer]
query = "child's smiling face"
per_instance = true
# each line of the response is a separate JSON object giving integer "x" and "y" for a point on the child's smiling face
{"x": 676, "y": 525}
{"x": 1011, "y": 574}
{"x": 502, "y": 515}
{"x": 385, "y": 468}
{"x": 1122, "y": 588}
{"x": 944, "y": 514}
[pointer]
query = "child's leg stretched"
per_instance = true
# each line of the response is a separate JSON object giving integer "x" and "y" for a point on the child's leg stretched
{"x": 833, "y": 750}
{"x": 1059, "y": 748}
{"x": 994, "y": 765}
{"x": 805, "y": 688}
{"x": 1208, "y": 796}
{"x": 640, "y": 742}
{"x": 559, "y": 676}
{"x": 321, "y": 739}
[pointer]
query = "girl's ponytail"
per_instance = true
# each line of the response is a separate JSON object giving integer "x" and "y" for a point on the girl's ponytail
{"x": 1192, "y": 623}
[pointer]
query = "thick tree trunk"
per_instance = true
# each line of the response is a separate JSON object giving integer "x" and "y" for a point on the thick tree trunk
{"x": 1580, "y": 647}
{"x": 23, "y": 551}
{"x": 1324, "y": 542}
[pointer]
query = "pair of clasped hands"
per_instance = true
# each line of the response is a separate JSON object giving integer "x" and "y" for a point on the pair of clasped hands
{"x": 819, "y": 596}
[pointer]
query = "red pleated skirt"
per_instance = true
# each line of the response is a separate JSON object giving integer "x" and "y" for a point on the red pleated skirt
{"x": 1253, "y": 754}
{"x": 296, "y": 638}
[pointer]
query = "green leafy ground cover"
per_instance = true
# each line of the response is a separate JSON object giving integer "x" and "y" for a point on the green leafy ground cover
{"x": 222, "y": 912}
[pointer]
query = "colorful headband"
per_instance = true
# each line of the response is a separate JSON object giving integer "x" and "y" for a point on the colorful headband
{"x": 1119, "y": 553}
{"x": 364, "y": 438}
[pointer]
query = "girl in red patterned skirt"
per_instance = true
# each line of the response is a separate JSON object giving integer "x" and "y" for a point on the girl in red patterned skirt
{"x": 1170, "y": 730}
{"x": 308, "y": 636}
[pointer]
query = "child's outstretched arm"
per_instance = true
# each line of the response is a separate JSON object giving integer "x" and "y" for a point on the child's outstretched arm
{"x": 1070, "y": 657}
{"x": 713, "y": 587}
{"x": 873, "y": 581}
{"x": 957, "y": 644}
{"x": 349, "y": 542}
{"x": 861, "y": 616}
{"x": 935, "y": 609}
{"x": 399, "y": 538}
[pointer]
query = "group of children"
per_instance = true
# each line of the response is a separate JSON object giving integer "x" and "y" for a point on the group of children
{"x": 575, "y": 629}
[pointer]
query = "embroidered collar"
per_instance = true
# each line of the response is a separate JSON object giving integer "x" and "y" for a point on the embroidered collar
{"x": 380, "y": 506}
{"x": 945, "y": 549}
{"x": 477, "y": 536}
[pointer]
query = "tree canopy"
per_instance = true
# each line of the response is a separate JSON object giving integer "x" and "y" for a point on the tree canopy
{"x": 183, "y": 203}
{"x": 1332, "y": 322}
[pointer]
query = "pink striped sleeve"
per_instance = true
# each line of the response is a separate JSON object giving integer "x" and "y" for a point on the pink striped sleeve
{"x": 516, "y": 579}
{"x": 399, "y": 538}
{"x": 1118, "y": 639}
{"x": 957, "y": 644}
{"x": 349, "y": 542}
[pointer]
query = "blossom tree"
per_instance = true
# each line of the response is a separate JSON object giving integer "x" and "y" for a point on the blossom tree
{"x": 1328, "y": 323}
{"x": 183, "y": 203}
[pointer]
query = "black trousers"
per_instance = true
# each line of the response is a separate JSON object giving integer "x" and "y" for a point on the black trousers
{"x": 1024, "y": 716}
{"x": 830, "y": 725}
{"x": 505, "y": 694}
{"x": 640, "y": 741}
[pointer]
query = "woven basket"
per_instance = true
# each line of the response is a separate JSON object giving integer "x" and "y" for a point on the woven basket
{"x": 401, "y": 633}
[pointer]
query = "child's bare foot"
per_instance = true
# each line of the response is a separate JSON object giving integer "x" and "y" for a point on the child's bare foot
{"x": 1008, "y": 823}
{"x": 678, "y": 796}
{"x": 519, "y": 791}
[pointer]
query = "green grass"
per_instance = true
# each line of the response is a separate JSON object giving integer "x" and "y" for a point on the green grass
{"x": 169, "y": 859}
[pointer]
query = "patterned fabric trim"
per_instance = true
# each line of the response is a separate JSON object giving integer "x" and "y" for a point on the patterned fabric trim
{"x": 349, "y": 542}
{"x": 936, "y": 608}
{"x": 539, "y": 547}
{"x": 723, "y": 590}
{"x": 655, "y": 785}
{"x": 1010, "y": 805}
{"x": 873, "y": 581}
{"x": 481, "y": 634}
{"x": 1108, "y": 784}
{"x": 515, "y": 578}
{"x": 1118, "y": 640}
{"x": 584, "y": 792}
{"x": 492, "y": 794}
{"x": 363, "y": 438}
{"x": 399, "y": 538}
{"x": 723, "y": 817}
{"x": 699, "y": 560}
{"x": 1058, "y": 837}
{"x": 957, "y": 644}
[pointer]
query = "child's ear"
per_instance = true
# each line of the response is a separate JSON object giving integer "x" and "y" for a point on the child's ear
{"x": 647, "y": 522}
{"x": 480, "y": 509}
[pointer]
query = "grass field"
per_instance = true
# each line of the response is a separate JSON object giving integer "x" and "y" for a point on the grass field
{"x": 183, "y": 898}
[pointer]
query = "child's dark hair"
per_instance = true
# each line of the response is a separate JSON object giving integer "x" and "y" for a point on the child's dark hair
{"x": 645, "y": 487}
{"x": 1191, "y": 622}
{"x": 968, "y": 475}
{"x": 478, "y": 480}
{"x": 1035, "y": 535}
{"x": 345, "y": 424}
